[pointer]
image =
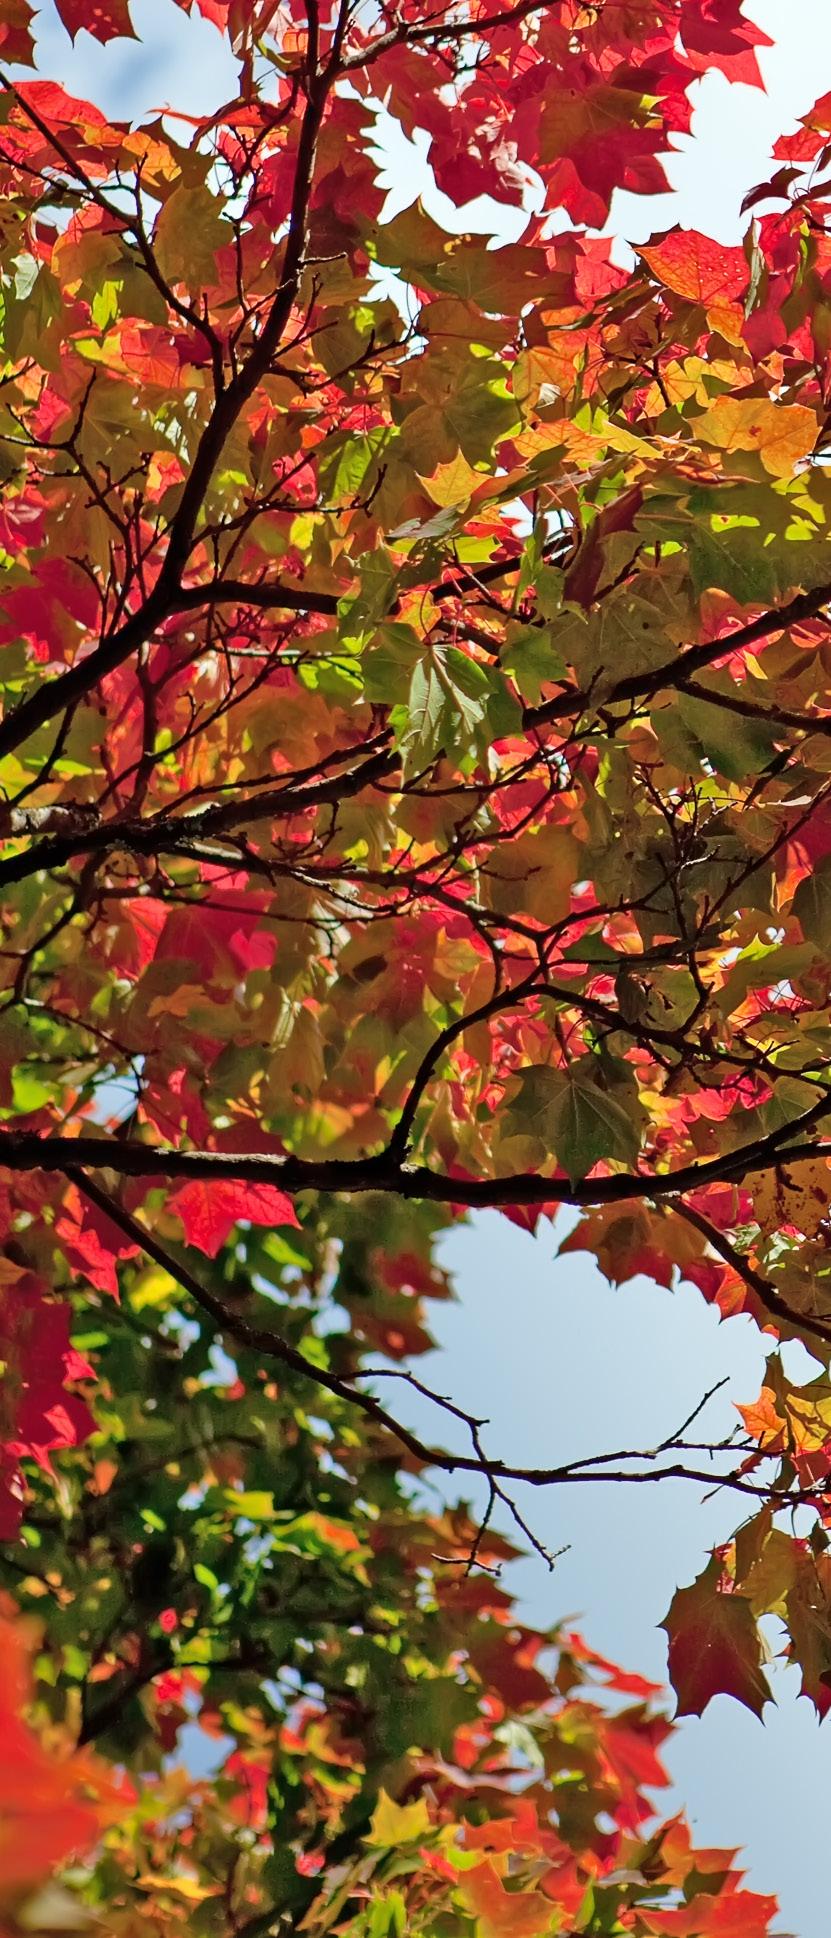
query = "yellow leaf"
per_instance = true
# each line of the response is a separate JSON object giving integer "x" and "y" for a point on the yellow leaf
{"x": 178, "y": 1002}
{"x": 181, "y": 1887}
{"x": 189, "y": 230}
{"x": 768, "y": 1582}
{"x": 809, "y": 1418}
{"x": 782, "y": 434}
{"x": 535, "y": 874}
{"x": 793, "y": 1194}
{"x": 452, "y": 483}
{"x": 151, "y": 1288}
{"x": 398, "y": 1823}
{"x": 540, "y": 375}
{"x": 254, "y": 1505}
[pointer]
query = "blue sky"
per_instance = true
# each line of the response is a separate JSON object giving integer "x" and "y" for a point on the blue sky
{"x": 560, "y": 1362}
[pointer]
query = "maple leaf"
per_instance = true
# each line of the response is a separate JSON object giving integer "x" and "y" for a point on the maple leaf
{"x": 725, "y": 39}
{"x": 52, "y": 1805}
{"x": 783, "y": 435}
{"x": 574, "y": 1116}
{"x": 795, "y": 1194}
{"x": 38, "y": 1415}
{"x": 812, "y": 904}
{"x": 104, "y": 19}
{"x": 502, "y": 1913}
{"x": 714, "y": 1647}
{"x": 394, "y": 1823}
{"x": 209, "y": 1210}
{"x": 217, "y": 11}
{"x": 740, "y": 1914}
{"x": 702, "y": 271}
{"x": 93, "y": 1244}
{"x": 807, "y": 1611}
{"x": 188, "y": 233}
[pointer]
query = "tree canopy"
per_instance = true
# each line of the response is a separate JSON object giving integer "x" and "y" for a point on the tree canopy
{"x": 416, "y": 797}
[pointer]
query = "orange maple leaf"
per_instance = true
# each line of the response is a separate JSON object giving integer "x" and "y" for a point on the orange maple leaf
{"x": 54, "y": 1802}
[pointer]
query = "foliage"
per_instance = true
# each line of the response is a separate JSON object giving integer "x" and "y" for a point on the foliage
{"x": 237, "y": 1578}
{"x": 416, "y": 797}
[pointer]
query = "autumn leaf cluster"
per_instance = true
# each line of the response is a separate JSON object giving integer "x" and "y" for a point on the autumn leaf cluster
{"x": 416, "y": 797}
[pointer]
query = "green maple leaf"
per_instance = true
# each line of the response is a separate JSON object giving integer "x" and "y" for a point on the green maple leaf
{"x": 733, "y": 746}
{"x": 575, "y": 1117}
{"x": 188, "y": 232}
{"x": 812, "y": 905}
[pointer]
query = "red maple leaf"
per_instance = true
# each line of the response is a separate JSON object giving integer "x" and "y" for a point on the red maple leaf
{"x": 210, "y": 1208}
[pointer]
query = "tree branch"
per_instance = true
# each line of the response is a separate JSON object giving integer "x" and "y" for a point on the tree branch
{"x": 447, "y": 30}
{"x": 50, "y": 697}
{"x": 26, "y": 1150}
{"x": 675, "y": 672}
{"x": 176, "y": 833}
{"x": 766, "y": 1293}
{"x": 613, "y": 1467}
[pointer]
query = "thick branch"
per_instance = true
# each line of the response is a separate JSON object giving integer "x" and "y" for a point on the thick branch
{"x": 277, "y": 595}
{"x": 805, "y": 605}
{"x": 176, "y": 833}
{"x": 32, "y": 1151}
